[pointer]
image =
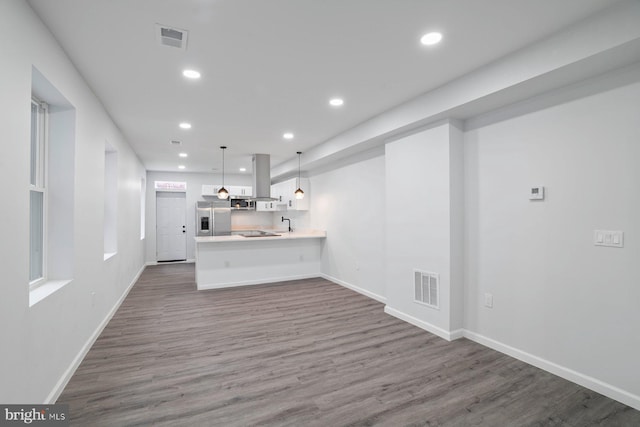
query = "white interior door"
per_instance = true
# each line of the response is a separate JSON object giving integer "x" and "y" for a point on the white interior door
{"x": 171, "y": 226}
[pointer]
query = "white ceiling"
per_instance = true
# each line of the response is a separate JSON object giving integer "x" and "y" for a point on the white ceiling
{"x": 270, "y": 66}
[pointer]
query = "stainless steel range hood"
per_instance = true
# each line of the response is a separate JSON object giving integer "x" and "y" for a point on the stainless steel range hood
{"x": 262, "y": 178}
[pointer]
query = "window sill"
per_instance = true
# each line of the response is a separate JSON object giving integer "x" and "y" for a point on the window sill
{"x": 42, "y": 291}
{"x": 108, "y": 255}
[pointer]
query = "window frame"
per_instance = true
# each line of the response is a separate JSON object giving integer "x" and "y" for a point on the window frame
{"x": 40, "y": 184}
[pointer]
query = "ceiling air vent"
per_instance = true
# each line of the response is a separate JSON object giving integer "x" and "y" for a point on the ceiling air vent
{"x": 175, "y": 142}
{"x": 426, "y": 288}
{"x": 172, "y": 37}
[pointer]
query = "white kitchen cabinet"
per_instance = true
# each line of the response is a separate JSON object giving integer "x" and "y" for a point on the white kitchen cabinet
{"x": 240, "y": 190}
{"x": 270, "y": 206}
{"x": 234, "y": 190}
{"x": 279, "y": 191}
{"x": 210, "y": 189}
{"x": 285, "y": 192}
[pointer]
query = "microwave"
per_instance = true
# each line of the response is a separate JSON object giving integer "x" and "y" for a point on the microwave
{"x": 242, "y": 204}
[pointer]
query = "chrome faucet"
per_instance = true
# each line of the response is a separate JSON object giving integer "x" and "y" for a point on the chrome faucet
{"x": 287, "y": 219}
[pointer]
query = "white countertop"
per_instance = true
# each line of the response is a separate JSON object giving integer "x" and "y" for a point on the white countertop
{"x": 284, "y": 235}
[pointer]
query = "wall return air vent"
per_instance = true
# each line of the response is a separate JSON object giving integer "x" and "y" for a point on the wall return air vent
{"x": 171, "y": 36}
{"x": 426, "y": 288}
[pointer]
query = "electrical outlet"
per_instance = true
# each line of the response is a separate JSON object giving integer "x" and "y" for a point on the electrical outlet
{"x": 488, "y": 300}
{"x": 536, "y": 193}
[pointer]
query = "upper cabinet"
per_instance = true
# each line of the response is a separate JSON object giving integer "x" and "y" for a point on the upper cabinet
{"x": 210, "y": 189}
{"x": 240, "y": 190}
{"x": 270, "y": 206}
{"x": 284, "y": 192}
{"x": 234, "y": 190}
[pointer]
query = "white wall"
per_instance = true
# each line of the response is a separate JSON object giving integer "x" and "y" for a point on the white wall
{"x": 424, "y": 227}
{"x": 560, "y": 302}
{"x": 40, "y": 344}
{"x": 348, "y": 203}
{"x": 558, "y": 297}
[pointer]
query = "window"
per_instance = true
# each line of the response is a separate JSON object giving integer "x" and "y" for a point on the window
{"x": 38, "y": 192}
{"x": 110, "y": 221}
{"x": 143, "y": 206}
{"x": 51, "y": 189}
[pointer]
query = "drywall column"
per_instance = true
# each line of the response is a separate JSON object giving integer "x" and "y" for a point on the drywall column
{"x": 424, "y": 211}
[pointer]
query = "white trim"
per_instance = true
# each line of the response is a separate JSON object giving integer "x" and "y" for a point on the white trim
{"x": 568, "y": 374}
{"x": 41, "y": 186}
{"x": 447, "y": 335}
{"x": 457, "y": 334}
{"x": 561, "y": 371}
{"x": 75, "y": 363}
{"x": 256, "y": 282}
{"x": 41, "y": 290}
{"x": 108, "y": 255}
{"x": 188, "y": 261}
{"x": 358, "y": 289}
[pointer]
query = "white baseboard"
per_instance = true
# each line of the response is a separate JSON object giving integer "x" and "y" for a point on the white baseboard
{"x": 442, "y": 333}
{"x": 568, "y": 374}
{"x": 189, "y": 261}
{"x": 205, "y": 286}
{"x": 358, "y": 289}
{"x": 64, "y": 380}
{"x": 456, "y": 334}
{"x": 561, "y": 371}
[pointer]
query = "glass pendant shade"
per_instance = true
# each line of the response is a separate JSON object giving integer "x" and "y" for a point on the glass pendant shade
{"x": 223, "y": 193}
{"x": 299, "y": 194}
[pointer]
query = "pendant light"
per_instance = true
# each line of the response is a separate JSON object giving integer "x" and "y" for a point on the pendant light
{"x": 222, "y": 192}
{"x": 299, "y": 193}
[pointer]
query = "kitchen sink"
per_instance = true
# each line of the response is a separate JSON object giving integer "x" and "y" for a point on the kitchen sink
{"x": 254, "y": 233}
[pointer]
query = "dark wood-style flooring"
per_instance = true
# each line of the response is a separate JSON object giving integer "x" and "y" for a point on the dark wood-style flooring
{"x": 304, "y": 353}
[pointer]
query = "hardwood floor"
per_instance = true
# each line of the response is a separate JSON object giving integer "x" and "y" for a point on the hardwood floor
{"x": 304, "y": 353}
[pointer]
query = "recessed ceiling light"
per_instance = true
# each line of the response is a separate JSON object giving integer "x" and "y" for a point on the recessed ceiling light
{"x": 181, "y": 166}
{"x": 185, "y": 125}
{"x": 183, "y": 155}
{"x": 431, "y": 38}
{"x": 336, "y": 102}
{"x": 287, "y": 135}
{"x": 243, "y": 169}
{"x": 191, "y": 74}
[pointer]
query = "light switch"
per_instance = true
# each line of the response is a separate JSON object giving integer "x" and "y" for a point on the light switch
{"x": 611, "y": 238}
{"x": 488, "y": 300}
{"x": 617, "y": 239}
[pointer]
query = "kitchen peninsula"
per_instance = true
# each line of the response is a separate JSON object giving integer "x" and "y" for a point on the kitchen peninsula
{"x": 252, "y": 257}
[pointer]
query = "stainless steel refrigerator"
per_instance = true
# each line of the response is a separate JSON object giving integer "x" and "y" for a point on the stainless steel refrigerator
{"x": 213, "y": 218}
